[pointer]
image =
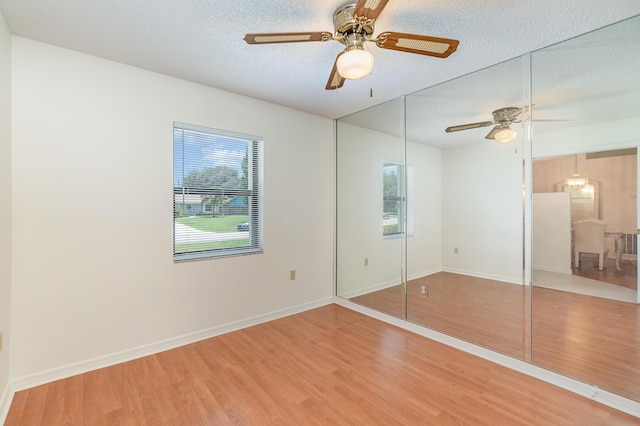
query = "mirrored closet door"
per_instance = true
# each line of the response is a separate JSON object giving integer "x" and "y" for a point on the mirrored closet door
{"x": 465, "y": 147}
{"x": 501, "y": 208}
{"x": 586, "y": 319}
{"x": 371, "y": 212}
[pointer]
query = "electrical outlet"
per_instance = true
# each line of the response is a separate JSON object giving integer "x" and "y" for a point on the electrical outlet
{"x": 292, "y": 274}
{"x": 455, "y": 250}
{"x": 366, "y": 261}
{"x": 424, "y": 290}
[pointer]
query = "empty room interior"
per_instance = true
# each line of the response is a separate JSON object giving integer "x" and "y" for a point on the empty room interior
{"x": 203, "y": 222}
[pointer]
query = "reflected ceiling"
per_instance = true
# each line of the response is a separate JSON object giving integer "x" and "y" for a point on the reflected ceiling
{"x": 605, "y": 62}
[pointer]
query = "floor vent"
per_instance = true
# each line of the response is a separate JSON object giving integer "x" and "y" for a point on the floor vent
{"x": 630, "y": 243}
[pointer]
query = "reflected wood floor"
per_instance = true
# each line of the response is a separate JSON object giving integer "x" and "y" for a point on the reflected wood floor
{"x": 325, "y": 366}
{"x": 589, "y": 338}
{"x": 627, "y": 277}
{"x": 487, "y": 312}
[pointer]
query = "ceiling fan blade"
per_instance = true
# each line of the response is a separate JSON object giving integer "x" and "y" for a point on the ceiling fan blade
{"x": 517, "y": 112}
{"x": 370, "y": 9}
{"x": 412, "y": 43}
{"x": 335, "y": 79}
{"x": 492, "y": 133}
{"x": 468, "y": 126}
{"x": 265, "y": 38}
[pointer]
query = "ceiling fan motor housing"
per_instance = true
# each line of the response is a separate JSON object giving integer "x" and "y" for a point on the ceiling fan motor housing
{"x": 506, "y": 115}
{"x": 345, "y": 23}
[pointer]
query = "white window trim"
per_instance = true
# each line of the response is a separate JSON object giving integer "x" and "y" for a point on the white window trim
{"x": 257, "y": 188}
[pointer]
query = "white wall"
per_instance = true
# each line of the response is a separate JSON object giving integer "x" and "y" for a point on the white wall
{"x": 5, "y": 203}
{"x": 552, "y": 232}
{"x": 92, "y": 147}
{"x": 361, "y": 154}
{"x": 483, "y": 211}
{"x": 424, "y": 247}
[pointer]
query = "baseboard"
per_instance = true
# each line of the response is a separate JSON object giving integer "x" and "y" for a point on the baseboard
{"x": 512, "y": 280}
{"x": 423, "y": 274}
{"x": 584, "y": 389}
{"x": 5, "y": 402}
{"x": 69, "y": 370}
{"x": 369, "y": 289}
{"x": 382, "y": 286}
{"x": 553, "y": 269}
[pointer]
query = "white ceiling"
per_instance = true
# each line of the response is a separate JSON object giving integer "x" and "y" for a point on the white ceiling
{"x": 588, "y": 80}
{"x": 202, "y": 41}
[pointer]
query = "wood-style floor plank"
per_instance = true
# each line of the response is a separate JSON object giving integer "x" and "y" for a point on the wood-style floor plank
{"x": 592, "y": 339}
{"x": 325, "y": 366}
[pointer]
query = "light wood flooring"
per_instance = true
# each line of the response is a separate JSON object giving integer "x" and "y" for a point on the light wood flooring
{"x": 625, "y": 277}
{"x": 326, "y": 366}
{"x": 589, "y": 338}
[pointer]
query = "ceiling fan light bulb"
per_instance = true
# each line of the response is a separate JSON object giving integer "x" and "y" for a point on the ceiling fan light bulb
{"x": 505, "y": 135}
{"x": 355, "y": 64}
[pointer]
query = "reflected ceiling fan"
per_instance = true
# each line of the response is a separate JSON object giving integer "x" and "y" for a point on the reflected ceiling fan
{"x": 502, "y": 120}
{"x": 353, "y": 26}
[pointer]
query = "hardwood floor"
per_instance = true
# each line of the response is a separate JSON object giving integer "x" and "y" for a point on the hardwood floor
{"x": 489, "y": 313}
{"x": 589, "y": 338}
{"x": 627, "y": 277}
{"x": 325, "y": 366}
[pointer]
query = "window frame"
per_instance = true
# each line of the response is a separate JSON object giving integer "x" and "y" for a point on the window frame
{"x": 253, "y": 192}
{"x": 403, "y": 197}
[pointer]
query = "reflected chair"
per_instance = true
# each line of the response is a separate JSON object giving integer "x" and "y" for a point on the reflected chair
{"x": 589, "y": 238}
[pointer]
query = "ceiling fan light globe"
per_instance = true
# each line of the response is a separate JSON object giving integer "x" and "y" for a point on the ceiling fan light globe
{"x": 505, "y": 135}
{"x": 355, "y": 64}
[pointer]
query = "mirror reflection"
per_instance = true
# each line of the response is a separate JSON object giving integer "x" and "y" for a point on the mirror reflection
{"x": 438, "y": 233}
{"x": 370, "y": 217}
{"x": 586, "y": 317}
{"x": 477, "y": 291}
{"x": 516, "y": 229}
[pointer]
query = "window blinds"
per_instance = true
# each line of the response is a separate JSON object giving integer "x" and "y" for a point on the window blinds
{"x": 217, "y": 193}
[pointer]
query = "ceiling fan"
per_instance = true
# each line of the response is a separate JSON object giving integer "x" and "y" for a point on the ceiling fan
{"x": 502, "y": 120}
{"x": 353, "y": 26}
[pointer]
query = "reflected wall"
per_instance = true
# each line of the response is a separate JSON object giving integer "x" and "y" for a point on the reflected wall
{"x": 477, "y": 293}
{"x": 370, "y": 264}
{"x": 458, "y": 252}
{"x": 455, "y": 264}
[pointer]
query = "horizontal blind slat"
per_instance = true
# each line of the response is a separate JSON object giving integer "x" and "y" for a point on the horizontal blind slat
{"x": 217, "y": 193}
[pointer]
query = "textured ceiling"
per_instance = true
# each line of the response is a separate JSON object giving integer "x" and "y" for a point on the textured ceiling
{"x": 202, "y": 41}
{"x": 588, "y": 80}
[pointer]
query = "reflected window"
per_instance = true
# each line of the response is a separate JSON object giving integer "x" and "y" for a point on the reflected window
{"x": 393, "y": 182}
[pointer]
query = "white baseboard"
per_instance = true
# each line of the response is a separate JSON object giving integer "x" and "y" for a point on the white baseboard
{"x": 382, "y": 286}
{"x": 553, "y": 269}
{"x": 422, "y": 274}
{"x": 369, "y": 289}
{"x": 584, "y": 389}
{"x": 512, "y": 280}
{"x": 5, "y": 402}
{"x": 47, "y": 376}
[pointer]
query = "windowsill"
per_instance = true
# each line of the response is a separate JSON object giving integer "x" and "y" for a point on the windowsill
{"x": 394, "y": 236}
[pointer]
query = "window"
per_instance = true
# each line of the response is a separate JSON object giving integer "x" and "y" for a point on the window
{"x": 391, "y": 199}
{"x": 393, "y": 205}
{"x": 217, "y": 193}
